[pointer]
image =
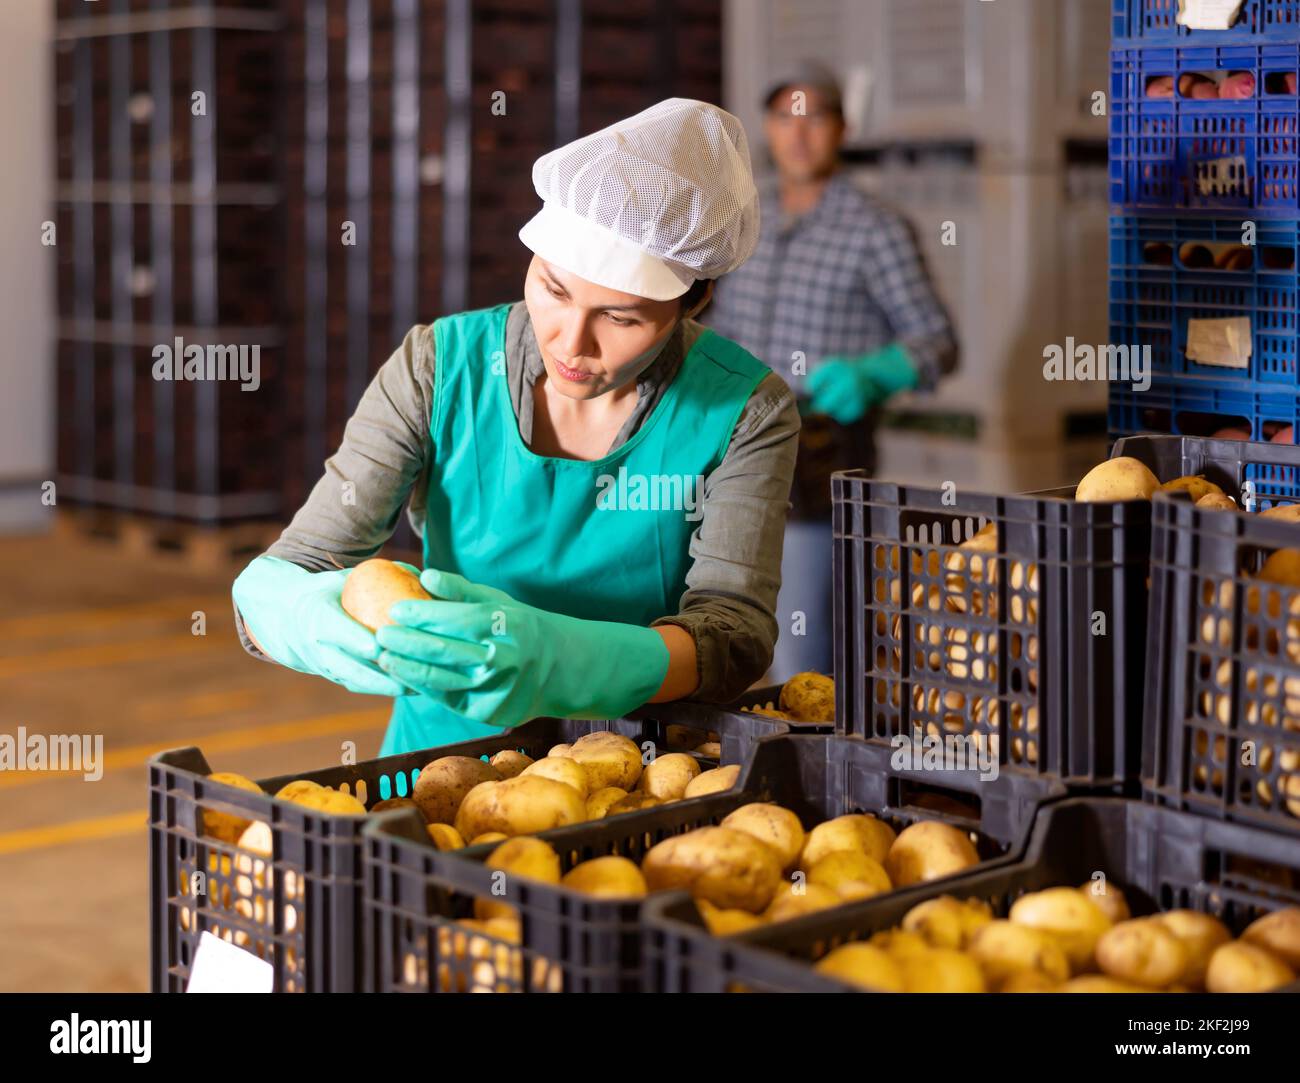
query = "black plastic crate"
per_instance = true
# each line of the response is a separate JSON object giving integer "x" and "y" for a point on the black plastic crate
{"x": 300, "y": 910}
{"x": 1223, "y": 697}
{"x": 1000, "y": 644}
{"x": 575, "y": 943}
{"x": 1161, "y": 859}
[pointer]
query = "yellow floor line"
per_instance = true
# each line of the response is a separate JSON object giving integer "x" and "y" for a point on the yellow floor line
{"x": 112, "y": 615}
{"x": 224, "y": 742}
{"x": 98, "y": 827}
{"x": 103, "y": 654}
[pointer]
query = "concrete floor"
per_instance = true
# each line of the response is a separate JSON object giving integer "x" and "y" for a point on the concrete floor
{"x": 95, "y": 641}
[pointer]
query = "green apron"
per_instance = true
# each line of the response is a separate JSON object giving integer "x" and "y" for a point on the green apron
{"x": 604, "y": 540}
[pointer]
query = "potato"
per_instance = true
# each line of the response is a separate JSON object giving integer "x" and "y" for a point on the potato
{"x": 1143, "y": 952}
{"x": 606, "y": 878}
{"x": 609, "y": 759}
{"x": 1288, "y": 513}
{"x": 333, "y": 802}
{"x": 1195, "y": 486}
{"x": 599, "y": 803}
{"x": 945, "y": 922}
{"x": 1100, "y": 983}
{"x": 1278, "y": 933}
{"x": 793, "y": 902}
{"x": 851, "y": 874}
{"x": 1109, "y": 898}
{"x": 510, "y": 763}
{"x": 778, "y": 827}
{"x": 899, "y": 942}
{"x": 726, "y": 922}
{"x": 1027, "y": 981}
{"x": 1121, "y": 478}
{"x": 941, "y": 970}
{"x": 1282, "y": 567}
{"x": 222, "y": 825}
{"x": 862, "y": 965}
{"x": 729, "y": 868}
{"x": 809, "y": 697}
{"x": 442, "y": 785}
{"x": 1200, "y": 935}
{"x": 1069, "y": 917}
{"x": 290, "y": 790}
{"x": 927, "y": 851}
{"x": 519, "y": 806}
{"x": 533, "y": 859}
{"x": 770, "y": 712}
{"x": 390, "y": 803}
{"x": 372, "y": 587}
{"x": 1240, "y": 967}
{"x": 488, "y": 836}
{"x": 865, "y": 834}
{"x": 668, "y": 776}
{"x": 559, "y": 750}
{"x": 561, "y": 769}
{"x": 710, "y": 750}
{"x": 718, "y": 780}
{"x": 1217, "y": 502}
{"x": 633, "y": 802}
{"x": 1004, "y": 949}
{"x": 445, "y": 837}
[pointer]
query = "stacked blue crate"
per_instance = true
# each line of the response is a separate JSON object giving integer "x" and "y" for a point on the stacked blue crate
{"x": 1205, "y": 225}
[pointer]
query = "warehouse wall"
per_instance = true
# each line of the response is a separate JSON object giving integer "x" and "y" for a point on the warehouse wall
{"x": 26, "y": 268}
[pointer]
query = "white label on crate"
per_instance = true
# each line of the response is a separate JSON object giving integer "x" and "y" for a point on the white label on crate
{"x": 1222, "y": 177}
{"x": 223, "y": 968}
{"x": 1208, "y": 14}
{"x": 1226, "y": 343}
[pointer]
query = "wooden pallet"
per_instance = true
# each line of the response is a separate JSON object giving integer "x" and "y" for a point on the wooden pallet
{"x": 202, "y": 547}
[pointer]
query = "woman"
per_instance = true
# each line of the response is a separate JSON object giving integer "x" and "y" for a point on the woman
{"x": 600, "y": 483}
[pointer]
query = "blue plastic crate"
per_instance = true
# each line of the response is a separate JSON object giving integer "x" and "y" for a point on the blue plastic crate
{"x": 1157, "y": 288}
{"x": 1178, "y": 155}
{"x": 1151, "y": 21}
{"x": 1173, "y": 406}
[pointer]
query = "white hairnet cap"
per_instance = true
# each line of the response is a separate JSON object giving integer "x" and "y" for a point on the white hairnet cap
{"x": 650, "y": 204}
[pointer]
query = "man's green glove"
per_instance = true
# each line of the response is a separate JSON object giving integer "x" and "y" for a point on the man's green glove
{"x": 845, "y": 388}
{"x": 492, "y": 659}
{"x": 297, "y": 618}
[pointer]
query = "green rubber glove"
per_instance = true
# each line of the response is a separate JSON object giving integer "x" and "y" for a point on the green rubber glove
{"x": 845, "y": 388}
{"x": 487, "y": 657}
{"x": 297, "y": 617}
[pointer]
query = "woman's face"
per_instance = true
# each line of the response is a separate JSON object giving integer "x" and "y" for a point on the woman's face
{"x": 593, "y": 339}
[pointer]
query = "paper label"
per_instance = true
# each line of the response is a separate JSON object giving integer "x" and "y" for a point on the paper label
{"x": 1222, "y": 177}
{"x": 223, "y": 968}
{"x": 1208, "y": 14}
{"x": 1226, "y": 343}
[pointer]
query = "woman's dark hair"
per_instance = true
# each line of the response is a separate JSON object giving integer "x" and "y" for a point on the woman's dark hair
{"x": 695, "y": 294}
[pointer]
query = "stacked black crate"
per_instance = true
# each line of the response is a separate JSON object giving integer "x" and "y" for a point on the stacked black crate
{"x": 166, "y": 213}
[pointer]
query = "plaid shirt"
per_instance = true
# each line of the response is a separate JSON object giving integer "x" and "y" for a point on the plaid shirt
{"x": 843, "y": 280}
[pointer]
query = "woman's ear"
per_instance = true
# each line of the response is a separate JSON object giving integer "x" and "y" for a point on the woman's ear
{"x": 702, "y": 303}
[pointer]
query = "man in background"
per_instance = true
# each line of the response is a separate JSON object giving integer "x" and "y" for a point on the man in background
{"x": 837, "y": 300}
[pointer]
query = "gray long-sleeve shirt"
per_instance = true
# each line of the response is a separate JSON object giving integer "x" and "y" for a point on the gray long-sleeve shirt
{"x": 730, "y": 600}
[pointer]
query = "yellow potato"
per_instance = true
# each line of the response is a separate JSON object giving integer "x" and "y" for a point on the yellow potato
{"x": 1200, "y": 934}
{"x": 929, "y": 850}
{"x": 1288, "y": 513}
{"x": 609, "y": 759}
{"x": 634, "y": 802}
{"x": 668, "y": 776}
{"x": 532, "y": 859}
{"x": 1194, "y": 485}
{"x": 1240, "y": 967}
{"x": 945, "y": 922}
{"x": 1278, "y": 933}
{"x": 599, "y": 803}
{"x": 899, "y": 942}
{"x": 488, "y": 836}
{"x": 1067, "y": 915}
{"x": 1282, "y": 567}
{"x": 1217, "y": 502}
{"x": 1004, "y": 949}
{"x": 372, "y": 587}
{"x": 1143, "y": 952}
{"x": 864, "y": 966}
{"x": 1027, "y": 981}
{"x": 809, "y": 697}
{"x": 1100, "y": 983}
{"x": 222, "y": 825}
{"x": 941, "y": 970}
{"x": 560, "y": 769}
{"x": 778, "y": 827}
{"x": 442, "y": 785}
{"x": 729, "y": 868}
{"x": 1109, "y": 898}
{"x": 390, "y": 803}
{"x": 525, "y": 805}
{"x": 770, "y": 712}
{"x": 559, "y": 750}
{"x": 606, "y": 878}
{"x": 710, "y": 749}
{"x": 865, "y": 834}
{"x": 510, "y": 763}
{"x": 445, "y": 837}
{"x": 718, "y": 780}
{"x": 850, "y": 874}
{"x": 333, "y": 802}
{"x": 290, "y": 790}
{"x": 1122, "y": 478}
{"x": 726, "y": 922}
{"x": 792, "y": 901}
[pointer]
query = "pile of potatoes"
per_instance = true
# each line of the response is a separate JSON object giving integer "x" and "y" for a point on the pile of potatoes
{"x": 1068, "y": 940}
{"x": 805, "y": 697}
